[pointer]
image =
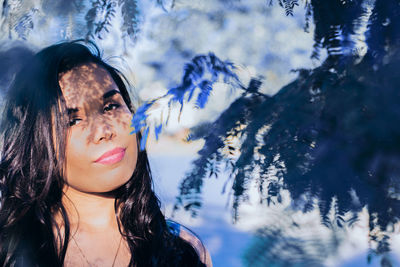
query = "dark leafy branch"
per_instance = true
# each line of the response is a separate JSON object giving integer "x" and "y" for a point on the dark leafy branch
{"x": 336, "y": 21}
{"x": 99, "y": 17}
{"x": 130, "y": 13}
{"x": 332, "y": 134}
{"x": 198, "y": 78}
{"x": 290, "y": 245}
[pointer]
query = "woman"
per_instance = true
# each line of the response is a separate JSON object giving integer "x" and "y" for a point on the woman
{"x": 75, "y": 189}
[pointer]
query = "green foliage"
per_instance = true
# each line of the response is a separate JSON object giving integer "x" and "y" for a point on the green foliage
{"x": 332, "y": 32}
{"x": 332, "y": 131}
{"x": 103, "y": 9}
{"x": 290, "y": 246}
{"x": 130, "y": 12}
{"x": 18, "y": 18}
{"x": 99, "y": 15}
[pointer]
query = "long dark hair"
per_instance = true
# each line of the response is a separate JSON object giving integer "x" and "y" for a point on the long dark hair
{"x": 33, "y": 140}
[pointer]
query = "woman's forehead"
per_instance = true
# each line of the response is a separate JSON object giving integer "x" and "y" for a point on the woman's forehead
{"x": 85, "y": 83}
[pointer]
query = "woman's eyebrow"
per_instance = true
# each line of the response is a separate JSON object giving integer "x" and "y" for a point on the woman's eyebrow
{"x": 105, "y": 96}
{"x": 72, "y": 110}
{"x": 111, "y": 93}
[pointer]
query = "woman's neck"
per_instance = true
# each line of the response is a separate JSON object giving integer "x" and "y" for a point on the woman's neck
{"x": 91, "y": 212}
{"x": 94, "y": 235}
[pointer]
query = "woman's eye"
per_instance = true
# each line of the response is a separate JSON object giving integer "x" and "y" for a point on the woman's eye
{"x": 111, "y": 107}
{"x": 74, "y": 121}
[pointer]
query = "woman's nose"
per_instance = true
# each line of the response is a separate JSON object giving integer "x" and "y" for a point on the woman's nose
{"x": 104, "y": 130}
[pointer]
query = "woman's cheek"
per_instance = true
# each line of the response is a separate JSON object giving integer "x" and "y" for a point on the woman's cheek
{"x": 125, "y": 118}
{"x": 76, "y": 148}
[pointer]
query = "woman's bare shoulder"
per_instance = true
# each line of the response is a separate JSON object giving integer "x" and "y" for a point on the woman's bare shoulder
{"x": 191, "y": 238}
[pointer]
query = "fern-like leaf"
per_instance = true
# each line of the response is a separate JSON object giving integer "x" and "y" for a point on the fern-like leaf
{"x": 130, "y": 15}
{"x": 200, "y": 74}
{"x": 99, "y": 16}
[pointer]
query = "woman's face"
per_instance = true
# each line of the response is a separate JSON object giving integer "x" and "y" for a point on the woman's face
{"x": 101, "y": 153}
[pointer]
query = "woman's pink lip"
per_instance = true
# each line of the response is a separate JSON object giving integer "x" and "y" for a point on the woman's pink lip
{"x": 113, "y": 156}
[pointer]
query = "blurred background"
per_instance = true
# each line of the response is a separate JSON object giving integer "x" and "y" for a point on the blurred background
{"x": 296, "y": 59}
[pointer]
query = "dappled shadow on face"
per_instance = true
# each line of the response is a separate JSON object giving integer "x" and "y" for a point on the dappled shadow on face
{"x": 94, "y": 101}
